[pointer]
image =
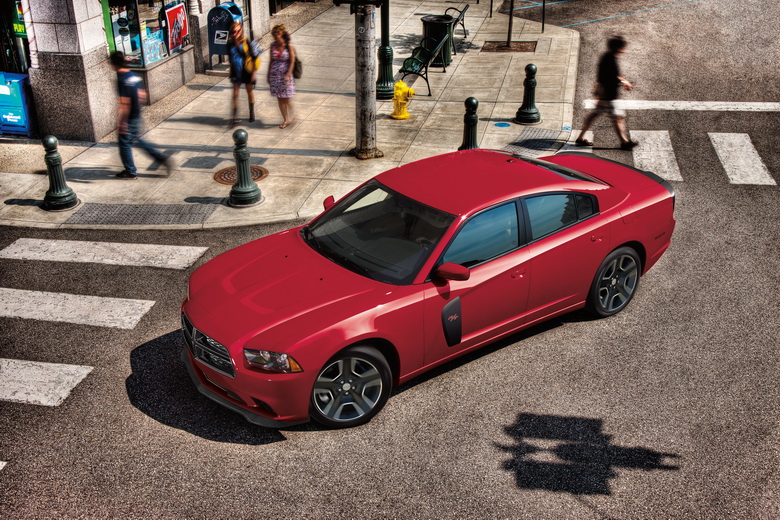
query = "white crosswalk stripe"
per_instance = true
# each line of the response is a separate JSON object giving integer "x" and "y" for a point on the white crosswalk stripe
{"x": 143, "y": 255}
{"x": 656, "y": 154}
{"x": 699, "y": 106}
{"x": 740, "y": 159}
{"x": 45, "y": 384}
{"x": 73, "y": 308}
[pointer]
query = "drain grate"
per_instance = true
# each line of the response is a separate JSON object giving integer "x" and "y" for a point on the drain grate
{"x": 513, "y": 47}
{"x": 142, "y": 214}
{"x": 229, "y": 175}
{"x": 533, "y": 141}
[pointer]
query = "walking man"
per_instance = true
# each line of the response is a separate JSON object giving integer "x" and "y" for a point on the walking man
{"x": 131, "y": 96}
{"x": 608, "y": 85}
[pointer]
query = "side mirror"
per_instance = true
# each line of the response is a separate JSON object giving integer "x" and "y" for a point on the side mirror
{"x": 450, "y": 271}
{"x": 328, "y": 202}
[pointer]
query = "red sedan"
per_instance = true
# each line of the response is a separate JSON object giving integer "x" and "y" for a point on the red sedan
{"x": 417, "y": 266}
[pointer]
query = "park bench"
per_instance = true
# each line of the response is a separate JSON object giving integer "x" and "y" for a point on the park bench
{"x": 422, "y": 57}
{"x": 458, "y": 20}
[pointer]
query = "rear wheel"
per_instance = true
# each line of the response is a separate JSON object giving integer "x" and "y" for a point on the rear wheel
{"x": 616, "y": 282}
{"x": 351, "y": 388}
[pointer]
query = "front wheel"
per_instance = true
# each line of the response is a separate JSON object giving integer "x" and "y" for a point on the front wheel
{"x": 616, "y": 282}
{"x": 351, "y": 388}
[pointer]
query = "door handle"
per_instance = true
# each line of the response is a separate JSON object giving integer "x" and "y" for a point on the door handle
{"x": 519, "y": 273}
{"x": 597, "y": 238}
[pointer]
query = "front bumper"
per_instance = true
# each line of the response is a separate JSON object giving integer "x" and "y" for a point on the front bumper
{"x": 250, "y": 416}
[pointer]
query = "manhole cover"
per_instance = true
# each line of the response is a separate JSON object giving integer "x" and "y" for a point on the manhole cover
{"x": 512, "y": 47}
{"x": 230, "y": 176}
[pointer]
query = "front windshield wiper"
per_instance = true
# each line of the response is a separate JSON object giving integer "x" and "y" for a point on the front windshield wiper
{"x": 347, "y": 263}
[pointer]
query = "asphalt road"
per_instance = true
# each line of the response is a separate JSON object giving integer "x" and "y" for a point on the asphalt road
{"x": 667, "y": 410}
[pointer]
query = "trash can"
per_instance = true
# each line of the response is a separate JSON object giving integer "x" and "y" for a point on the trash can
{"x": 436, "y": 26}
{"x": 15, "y": 104}
{"x": 219, "y": 19}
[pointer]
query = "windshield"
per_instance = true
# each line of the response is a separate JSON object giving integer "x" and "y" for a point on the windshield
{"x": 379, "y": 233}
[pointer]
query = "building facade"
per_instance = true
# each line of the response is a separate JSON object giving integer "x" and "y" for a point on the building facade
{"x": 64, "y": 47}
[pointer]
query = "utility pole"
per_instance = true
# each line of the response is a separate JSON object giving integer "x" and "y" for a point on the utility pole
{"x": 365, "y": 77}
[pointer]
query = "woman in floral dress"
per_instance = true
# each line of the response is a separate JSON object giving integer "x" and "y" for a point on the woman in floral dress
{"x": 280, "y": 72}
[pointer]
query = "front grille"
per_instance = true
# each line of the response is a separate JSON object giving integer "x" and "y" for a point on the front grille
{"x": 205, "y": 349}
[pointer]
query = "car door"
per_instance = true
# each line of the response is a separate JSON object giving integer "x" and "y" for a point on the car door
{"x": 463, "y": 313}
{"x": 568, "y": 240}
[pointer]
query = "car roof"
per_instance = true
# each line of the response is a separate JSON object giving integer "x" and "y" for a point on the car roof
{"x": 464, "y": 181}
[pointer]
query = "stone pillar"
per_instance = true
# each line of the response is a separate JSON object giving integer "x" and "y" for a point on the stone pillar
{"x": 73, "y": 87}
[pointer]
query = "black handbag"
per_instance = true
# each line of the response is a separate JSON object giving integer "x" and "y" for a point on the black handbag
{"x": 297, "y": 68}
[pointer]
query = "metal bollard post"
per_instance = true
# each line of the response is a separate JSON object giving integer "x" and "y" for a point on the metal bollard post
{"x": 245, "y": 191}
{"x": 470, "y": 125}
{"x": 528, "y": 114}
{"x": 59, "y": 197}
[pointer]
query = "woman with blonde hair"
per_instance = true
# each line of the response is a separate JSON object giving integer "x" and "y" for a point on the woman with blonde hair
{"x": 280, "y": 72}
{"x": 244, "y": 64}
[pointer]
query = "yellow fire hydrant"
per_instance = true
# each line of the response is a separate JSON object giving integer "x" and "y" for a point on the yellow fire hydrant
{"x": 402, "y": 96}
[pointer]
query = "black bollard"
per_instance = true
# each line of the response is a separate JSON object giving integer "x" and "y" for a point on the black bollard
{"x": 59, "y": 197}
{"x": 245, "y": 191}
{"x": 528, "y": 114}
{"x": 470, "y": 125}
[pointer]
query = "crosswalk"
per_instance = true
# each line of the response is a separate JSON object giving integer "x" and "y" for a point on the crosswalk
{"x": 740, "y": 159}
{"x": 45, "y": 384}
{"x": 741, "y": 162}
{"x": 112, "y": 253}
{"x": 656, "y": 154}
{"x": 49, "y": 384}
{"x": 120, "y": 313}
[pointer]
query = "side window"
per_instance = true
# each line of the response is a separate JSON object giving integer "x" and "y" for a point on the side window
{"x": 549, "y": 213}
{"x": 584, "y": 207}
{"x": 487, "y": 235}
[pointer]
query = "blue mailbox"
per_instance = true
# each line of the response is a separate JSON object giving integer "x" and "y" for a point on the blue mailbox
{"x": 220, "y": 18}
{"x": 15, "y": 104}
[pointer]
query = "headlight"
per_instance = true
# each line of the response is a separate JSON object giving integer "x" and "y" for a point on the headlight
{"x": 272, "y": 361}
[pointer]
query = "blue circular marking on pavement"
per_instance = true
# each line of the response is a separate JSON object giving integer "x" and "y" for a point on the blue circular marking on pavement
{"x": 503, "y": 124}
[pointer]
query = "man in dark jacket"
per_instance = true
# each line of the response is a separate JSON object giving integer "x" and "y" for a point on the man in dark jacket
{"x": 129, "y": 123}
{"x": 609, "y": 82}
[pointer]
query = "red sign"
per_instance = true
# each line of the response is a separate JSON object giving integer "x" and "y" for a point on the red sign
{"x": 177, "y": 26}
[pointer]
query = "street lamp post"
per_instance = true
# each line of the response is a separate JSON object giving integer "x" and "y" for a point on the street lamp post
{"x": 384, "y": 83}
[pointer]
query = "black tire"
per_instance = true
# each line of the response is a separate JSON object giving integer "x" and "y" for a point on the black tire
{"x": 615, "y": 283}
{"x": 351, "y": 388}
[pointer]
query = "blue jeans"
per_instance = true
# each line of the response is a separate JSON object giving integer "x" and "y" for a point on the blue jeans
{"x": 126, "y": 142}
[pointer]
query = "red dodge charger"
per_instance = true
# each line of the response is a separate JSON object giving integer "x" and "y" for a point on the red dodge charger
{"x": 417, "y": 266}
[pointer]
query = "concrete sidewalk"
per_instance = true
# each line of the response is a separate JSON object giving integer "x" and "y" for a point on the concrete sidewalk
{"x": 309, "y": 160}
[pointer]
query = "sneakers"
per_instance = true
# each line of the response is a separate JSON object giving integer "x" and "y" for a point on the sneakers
{"x": 124, "y": 174}
{"x": 628, "y": 145}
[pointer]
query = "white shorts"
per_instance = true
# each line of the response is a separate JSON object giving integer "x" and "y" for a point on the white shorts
{"x": 611, "y": 109}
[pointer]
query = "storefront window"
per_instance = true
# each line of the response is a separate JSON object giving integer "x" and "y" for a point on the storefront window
{"x": 147, "y": 30}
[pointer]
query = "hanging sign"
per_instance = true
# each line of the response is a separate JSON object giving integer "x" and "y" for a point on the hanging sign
{"x": 177, "y": 26}
{"x": 20, "y": 30}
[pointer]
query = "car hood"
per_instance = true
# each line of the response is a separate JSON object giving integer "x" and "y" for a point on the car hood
{"x": 276, "y": 285}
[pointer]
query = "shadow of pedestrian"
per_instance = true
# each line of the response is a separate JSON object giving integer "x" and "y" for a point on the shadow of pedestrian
{"x": 572, "y": 455}
{"x": 160, "y": 387}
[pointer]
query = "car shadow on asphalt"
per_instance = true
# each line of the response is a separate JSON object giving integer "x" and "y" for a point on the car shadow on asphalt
{"x": 160, "y": 387}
